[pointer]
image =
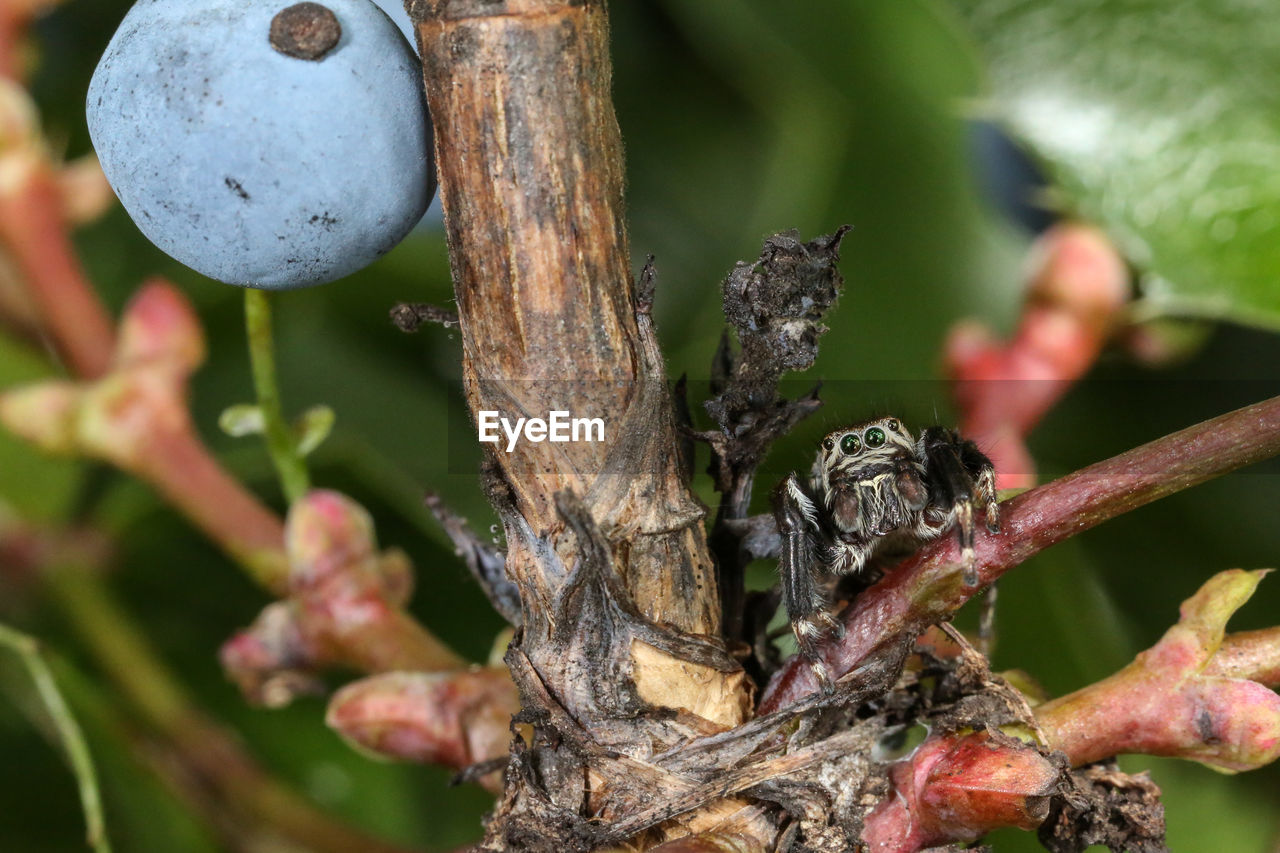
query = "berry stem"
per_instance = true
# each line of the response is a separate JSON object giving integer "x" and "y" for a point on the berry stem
{"x": 280, "y": 442}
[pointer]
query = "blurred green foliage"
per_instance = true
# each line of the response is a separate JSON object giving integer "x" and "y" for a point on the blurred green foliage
{"x": 741, "y": 118}
{"x": 1160, "y": 121}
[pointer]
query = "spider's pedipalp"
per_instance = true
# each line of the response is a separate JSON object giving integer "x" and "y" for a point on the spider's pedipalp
{"x": 802, "y": 501}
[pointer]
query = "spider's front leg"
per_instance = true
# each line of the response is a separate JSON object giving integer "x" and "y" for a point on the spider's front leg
{"x": 806, "y": 602}
{"x": 959, "y": 475}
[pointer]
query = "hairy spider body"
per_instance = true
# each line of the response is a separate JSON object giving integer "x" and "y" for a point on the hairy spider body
{"x": 874, "y": 488}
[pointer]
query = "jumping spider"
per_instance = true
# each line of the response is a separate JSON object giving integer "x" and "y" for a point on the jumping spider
{"x": 872, "y": 489}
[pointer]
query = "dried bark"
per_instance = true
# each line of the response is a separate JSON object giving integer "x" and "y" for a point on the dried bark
{"x": 776, "y": 306}
{"x": 620, "y": 640}
{"x": 1104, "y": 806}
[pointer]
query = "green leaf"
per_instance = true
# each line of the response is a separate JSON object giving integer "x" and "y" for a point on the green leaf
{"x": 241, "y": 419}
{"x": 1161, "y": 123}
{"x": 312, "y": 428}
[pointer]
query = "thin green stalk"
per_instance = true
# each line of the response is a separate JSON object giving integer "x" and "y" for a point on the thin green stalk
{"x": 28, "y": 649}
{"x": 211, "y": 757}
{"x": 281, "y": 443}
{"x": 121, "y": 650}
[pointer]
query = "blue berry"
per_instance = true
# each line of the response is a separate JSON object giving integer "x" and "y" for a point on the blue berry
{"x": 273, "y": 157}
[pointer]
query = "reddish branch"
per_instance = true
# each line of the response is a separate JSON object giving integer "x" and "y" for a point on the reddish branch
{"x": 1177, "y": 699}
{"x": 1077, "y": 285}
{"x": 31, "y": 227}
{"x": 34, "y": 233}
{"x": 1190, "y": 696}
{"x": 135, "y": 416}
{"x": 928, "y": 587}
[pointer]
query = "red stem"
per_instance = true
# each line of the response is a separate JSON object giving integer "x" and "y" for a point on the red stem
{"x": 180, "y": 467}
{"x": 1251, "y": 655}
{"x": 35, "y": 234}
{"x": 13, "y": 24}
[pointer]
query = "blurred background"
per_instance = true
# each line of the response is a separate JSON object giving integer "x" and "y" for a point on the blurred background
{"x": 741, "y": 118}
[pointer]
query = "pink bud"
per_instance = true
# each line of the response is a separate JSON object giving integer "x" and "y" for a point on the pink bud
{"x": 159, "y": 325}
{"x": 958, "y": 788}
{"x": 982, "y": 784}
{"x": 345, "y": 604}
{"x": 1077, "y": 269}
{"x": 452, "y": 718}
{"x": 326, "y": 532}
{"x": 270, "y": 661}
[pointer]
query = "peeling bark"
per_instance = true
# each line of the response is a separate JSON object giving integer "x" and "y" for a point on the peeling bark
{"x": 620, "y": 610}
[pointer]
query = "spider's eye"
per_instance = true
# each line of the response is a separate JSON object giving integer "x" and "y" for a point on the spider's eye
{"x": 850, "y": 444}
{"x": 828, "y": 442}
{"x": 893, "y": 424}
{"x": 875, "y": 437}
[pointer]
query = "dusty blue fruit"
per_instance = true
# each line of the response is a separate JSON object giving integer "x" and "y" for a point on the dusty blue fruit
{"x": 254, "y": 166}
{"x": 396, "y": 12}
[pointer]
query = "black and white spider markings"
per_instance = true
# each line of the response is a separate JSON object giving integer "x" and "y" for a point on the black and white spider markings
{"x": 873, "y": 488}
